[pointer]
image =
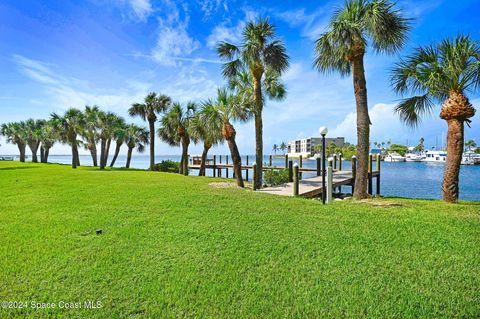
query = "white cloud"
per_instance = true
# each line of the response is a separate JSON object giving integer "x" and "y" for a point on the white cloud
{"x": 228, "y": 32}
{"x": 65, "y": 92}
{"x": 311, "y": 24}
{"x": 141, "y": 8}
{"x": 173, "y": 42}
{"x": 208, "y": 7}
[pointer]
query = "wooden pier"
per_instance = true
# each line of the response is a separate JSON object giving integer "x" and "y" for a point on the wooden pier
{"x": 307, "y": 187}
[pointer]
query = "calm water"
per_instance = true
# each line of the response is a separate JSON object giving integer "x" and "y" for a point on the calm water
{"x": 408, "y": 179}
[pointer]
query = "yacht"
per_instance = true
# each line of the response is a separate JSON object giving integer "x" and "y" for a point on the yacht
{"x": 470, "y": 158}
{"x": 435, "y": 157}
{"x": 394, "y": 157}
{"x": 412, "y": 157}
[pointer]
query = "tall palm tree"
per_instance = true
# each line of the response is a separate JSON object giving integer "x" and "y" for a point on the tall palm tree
{"x": 175, "y": 129}
{"x": 34, "y": 131}
{"x": 48, "y": 137}
{"x": 222, "y": 111}
{"x": 135, "y": 137}
{"x": 91, "y": 132}
{"x": 15, "y": 133}
{"x": 69, "y": 126}
{"x": 441, "y": 73}
{"x": 208, "y": 132}
{"x": 275, "y": 148}
{"x": 283, "y": 146}
{"x": 119, "y": 135}
{"x": 342, "y": 48}
{"x": 148, "y": 110}
{"x": 264, "y": 59}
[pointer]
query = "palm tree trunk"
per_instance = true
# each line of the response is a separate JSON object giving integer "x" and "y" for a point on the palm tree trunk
{"x": 34, "y": 148}
{"x": 363, "y": 127}
{"x": 185, "y": 143}
{"x": 455, "y": 136}
{"x": 129, "y": 157}
{"x": 206, "y": 148}
{"x": 117, "y": 151}
{"x": 21, "y": 149}
{"x": 107, "y": 151}
{"x": 42, "y": 154}
{"x": 151, "y": 124}
{"x": 102, "y": 152}
{"x": 46, "y": 153}
{"x": 74, "y": 154}
{"x": 258, "y": 148}
{"x": 93, "y": 153}
{"x": 236, "y": 160}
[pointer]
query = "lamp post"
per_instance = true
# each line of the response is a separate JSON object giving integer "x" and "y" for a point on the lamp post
{"x": 323, "y": 131}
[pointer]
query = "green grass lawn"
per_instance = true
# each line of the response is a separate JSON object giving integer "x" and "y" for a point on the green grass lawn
{"x": 174, "y": 246}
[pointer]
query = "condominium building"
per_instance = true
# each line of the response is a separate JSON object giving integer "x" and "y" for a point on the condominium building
{"x": 306, "y": 146}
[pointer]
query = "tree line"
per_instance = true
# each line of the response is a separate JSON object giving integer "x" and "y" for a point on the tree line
{"x": 441, "y": 73}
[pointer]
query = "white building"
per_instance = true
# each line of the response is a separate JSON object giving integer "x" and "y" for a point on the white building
{"x": 306, "y": 146}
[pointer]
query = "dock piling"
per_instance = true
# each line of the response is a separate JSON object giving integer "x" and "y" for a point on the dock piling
{"x": 378, "y": 176}
{"x": 370, "y": 186}
{"x": 286, "y": 160}
{"x": 295, "y": 180}
{"x": 334, "y": 161}
{"x": 246, "y": 171}
{"x": 318, "y": 166}
{"x": 254, "y": 168}
{"x": 300, "y": 161}
{"x": 220, "y": 169}
{"x": 329, "y": 184}
{"x": 290, "y": 171}
{"x": 340, "y": 161}
{"x": 214, "y": 165}
{"x": 354, "y": 172}
{"x": 270, "y": 160}
{"x": 226, "y": 169}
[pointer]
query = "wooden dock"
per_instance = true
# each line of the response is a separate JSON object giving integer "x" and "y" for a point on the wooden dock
{"x": 307, "y": 187}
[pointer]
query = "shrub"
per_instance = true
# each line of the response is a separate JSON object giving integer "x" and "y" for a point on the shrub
{"x": 167, "y": 166}
{"x": 275, "y": 177}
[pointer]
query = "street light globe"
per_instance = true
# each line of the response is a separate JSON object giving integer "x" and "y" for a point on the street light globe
{"x": 323, "y": 130}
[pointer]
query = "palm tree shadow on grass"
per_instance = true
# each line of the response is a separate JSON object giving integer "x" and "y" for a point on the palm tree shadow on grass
{"x": 17, "y": 167}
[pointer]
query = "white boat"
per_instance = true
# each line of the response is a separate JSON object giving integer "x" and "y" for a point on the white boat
{"x": 470, "y": 158}
{"x": 435, "y": 157}
{"x": 412, "y": 157}
{"x": 394, "y": 157}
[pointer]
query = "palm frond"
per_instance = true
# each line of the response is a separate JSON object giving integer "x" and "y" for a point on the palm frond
{"x": 411, "y": 110}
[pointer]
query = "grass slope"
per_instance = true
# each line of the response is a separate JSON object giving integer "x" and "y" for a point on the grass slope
{"x": 173, "y": 246}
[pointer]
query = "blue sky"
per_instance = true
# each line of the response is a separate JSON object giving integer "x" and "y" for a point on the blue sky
{"x": 59, "y": 54}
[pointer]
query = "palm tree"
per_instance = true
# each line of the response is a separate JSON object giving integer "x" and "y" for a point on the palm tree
{"x": 175, "y": 129}
{"x": 33, "y": 132}
{"x": 263, "y": 58}
{"x": 275, "y": 148}
{"x": 69, "y": 126}
{"x": 208, "y": 132}
{"x": 91, "y": 132}
{"x": 109, "y": 123}
{"x": 153, "y": 104}
{"x": 342, "y": 49}
{"x": 470, "y": 144}
{"x": 119, "y": 135}
{"x": 15, "y": 133}
{"x": 283, "y": 146}
{"x": 222, "y": 111}
{"x": 441, "y": 73}
{"x": 135, "y": 137}
{"x": 48, "y": 137}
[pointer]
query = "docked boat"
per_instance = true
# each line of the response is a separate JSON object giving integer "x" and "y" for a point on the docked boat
{"x": 435, "y": 157}
{"x": 470, "y": 158}
{"x": 394, "y": 157}
{"x": 412, "y": 157}
{"x": 6, "y": 158}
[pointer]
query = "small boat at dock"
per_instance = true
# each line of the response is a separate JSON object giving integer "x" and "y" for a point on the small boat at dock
{"x": 394, "y": 157}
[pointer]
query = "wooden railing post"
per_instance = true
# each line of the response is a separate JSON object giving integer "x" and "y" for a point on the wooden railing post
{"x": 226, "y": 162}
{"x": 354, "y": 172}
{"x": 220, "y": 169}
{"x": 318, "y": 166}
{"x": 329, "y": 184}
{"x": 214, "y": 165}
{"x": 370, "y": 186}
{"x": 378, "y": 176}
{"x": 295, "y": 179}
{"x": 254, "y": 168}
{"x": 290, "y": 171}
{"x": 300, "y": 160}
